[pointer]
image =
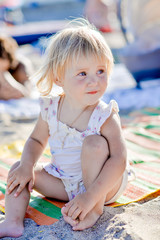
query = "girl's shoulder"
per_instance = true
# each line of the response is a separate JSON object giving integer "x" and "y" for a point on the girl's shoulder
{"x": 103, "y": 107}
{"x": 48, "y": 100}
{"x": 101, "y": 113}
{"x": 48, "y": 103}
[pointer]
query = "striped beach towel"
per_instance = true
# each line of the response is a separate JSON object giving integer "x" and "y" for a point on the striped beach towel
{"x": 142, "y": 133}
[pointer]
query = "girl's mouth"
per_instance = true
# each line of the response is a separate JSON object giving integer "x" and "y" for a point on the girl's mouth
{"x": 92, "y": 92}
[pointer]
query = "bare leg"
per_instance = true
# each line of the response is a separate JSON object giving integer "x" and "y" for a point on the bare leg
{"x": 95, "y": 153}
{"x": 49, "y": 185}
{"x": 15, "y": 212}
{"x": 16, "y": 207}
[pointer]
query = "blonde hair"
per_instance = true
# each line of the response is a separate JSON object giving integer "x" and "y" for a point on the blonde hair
{"x": 79, "y": 39}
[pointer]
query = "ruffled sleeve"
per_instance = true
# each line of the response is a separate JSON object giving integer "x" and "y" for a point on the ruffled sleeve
{"x": 112, "y": 106}
{"x": 44, "y": 106}
{"x": 101, "y": 114}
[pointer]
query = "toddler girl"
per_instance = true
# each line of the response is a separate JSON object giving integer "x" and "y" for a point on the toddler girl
{"x": 88, "y": 163}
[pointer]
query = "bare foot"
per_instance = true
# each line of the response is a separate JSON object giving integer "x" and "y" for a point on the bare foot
{"x": 67, "y": 218}
{"x": 80, "y": 206}
{"x": 90, "y": 219}
{"x": 10, "y": 230}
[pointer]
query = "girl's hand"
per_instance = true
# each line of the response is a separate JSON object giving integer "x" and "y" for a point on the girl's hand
{"x": 79, "y": 206}
{"x": 19, "y": 177}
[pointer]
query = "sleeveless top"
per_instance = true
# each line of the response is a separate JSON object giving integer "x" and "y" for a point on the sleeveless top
{"x": 65, "y": 161}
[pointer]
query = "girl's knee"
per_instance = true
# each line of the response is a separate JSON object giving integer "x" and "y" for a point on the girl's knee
{"x": 96, "y": 144}
{"x": 15, "y": 165}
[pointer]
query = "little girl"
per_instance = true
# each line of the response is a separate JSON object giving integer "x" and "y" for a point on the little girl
{"x": 88, "y": 164}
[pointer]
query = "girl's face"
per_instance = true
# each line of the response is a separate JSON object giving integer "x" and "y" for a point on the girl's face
{"x": 85, "y": 81}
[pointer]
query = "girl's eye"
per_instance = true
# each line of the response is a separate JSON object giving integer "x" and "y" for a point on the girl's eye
{"x": 82, "y": 74}
{"x": 100, "y": 71}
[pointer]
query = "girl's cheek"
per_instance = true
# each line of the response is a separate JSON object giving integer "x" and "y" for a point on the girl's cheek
{"x": 103, "y": 80}
{"x": 81, "y": 82}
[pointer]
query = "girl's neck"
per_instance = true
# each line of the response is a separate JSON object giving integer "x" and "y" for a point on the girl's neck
{"x": 74, "y": 115}
{"x": 72, "y": 105}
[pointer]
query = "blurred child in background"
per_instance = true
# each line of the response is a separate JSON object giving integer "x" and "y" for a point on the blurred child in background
{"x": 14, "y": 71}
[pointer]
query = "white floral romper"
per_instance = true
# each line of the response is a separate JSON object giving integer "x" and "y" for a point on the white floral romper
{"x": 65, "y": 161}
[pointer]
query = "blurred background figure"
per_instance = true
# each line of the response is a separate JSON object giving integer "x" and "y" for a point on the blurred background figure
{"x": 144, "y": 22}
{"x": 101, "y": 13}
{"x": 139, "y": 21}
{"x": 140, "y": 24}
{"x": 10, "y": 12}
{"x": 15, "y": 70}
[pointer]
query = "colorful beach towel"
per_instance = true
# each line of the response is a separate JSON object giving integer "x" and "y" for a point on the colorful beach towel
{"x": 142, "y": 133}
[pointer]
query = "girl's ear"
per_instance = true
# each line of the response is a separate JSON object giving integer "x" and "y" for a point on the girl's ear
{"x": 59, "y": 82}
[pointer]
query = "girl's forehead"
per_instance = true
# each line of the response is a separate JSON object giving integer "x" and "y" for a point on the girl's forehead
{"x": 83, "y": 59}
{"x": 83, "y": 62}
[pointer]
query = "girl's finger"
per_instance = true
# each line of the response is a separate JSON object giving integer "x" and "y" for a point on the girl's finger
{"x": 76, "y": 214}
{"x": 72, "y": 209}
{"x": 19, "y": 190}
{"x": 68, "y": 206}
{"x": 30, "y": 185}
{"x": 10, "y": 180}
{"x": 63, "y": 211}
{"x": 12, "y": 186}
{"x": 82, "y": 215}
{"x": 10, "y": 174}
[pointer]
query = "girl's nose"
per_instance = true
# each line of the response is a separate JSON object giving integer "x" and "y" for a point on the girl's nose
{"x": 92, "y": 81}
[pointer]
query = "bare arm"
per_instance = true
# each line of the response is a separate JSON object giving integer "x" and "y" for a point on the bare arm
{"x": 35, "y": 144}
{"x": 33, "y": 149}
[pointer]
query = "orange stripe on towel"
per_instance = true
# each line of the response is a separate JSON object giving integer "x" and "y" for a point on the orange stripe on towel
{"x": 38, "y": 217}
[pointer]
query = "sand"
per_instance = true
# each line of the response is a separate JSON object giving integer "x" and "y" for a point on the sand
{"x": 131, "y": 222}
